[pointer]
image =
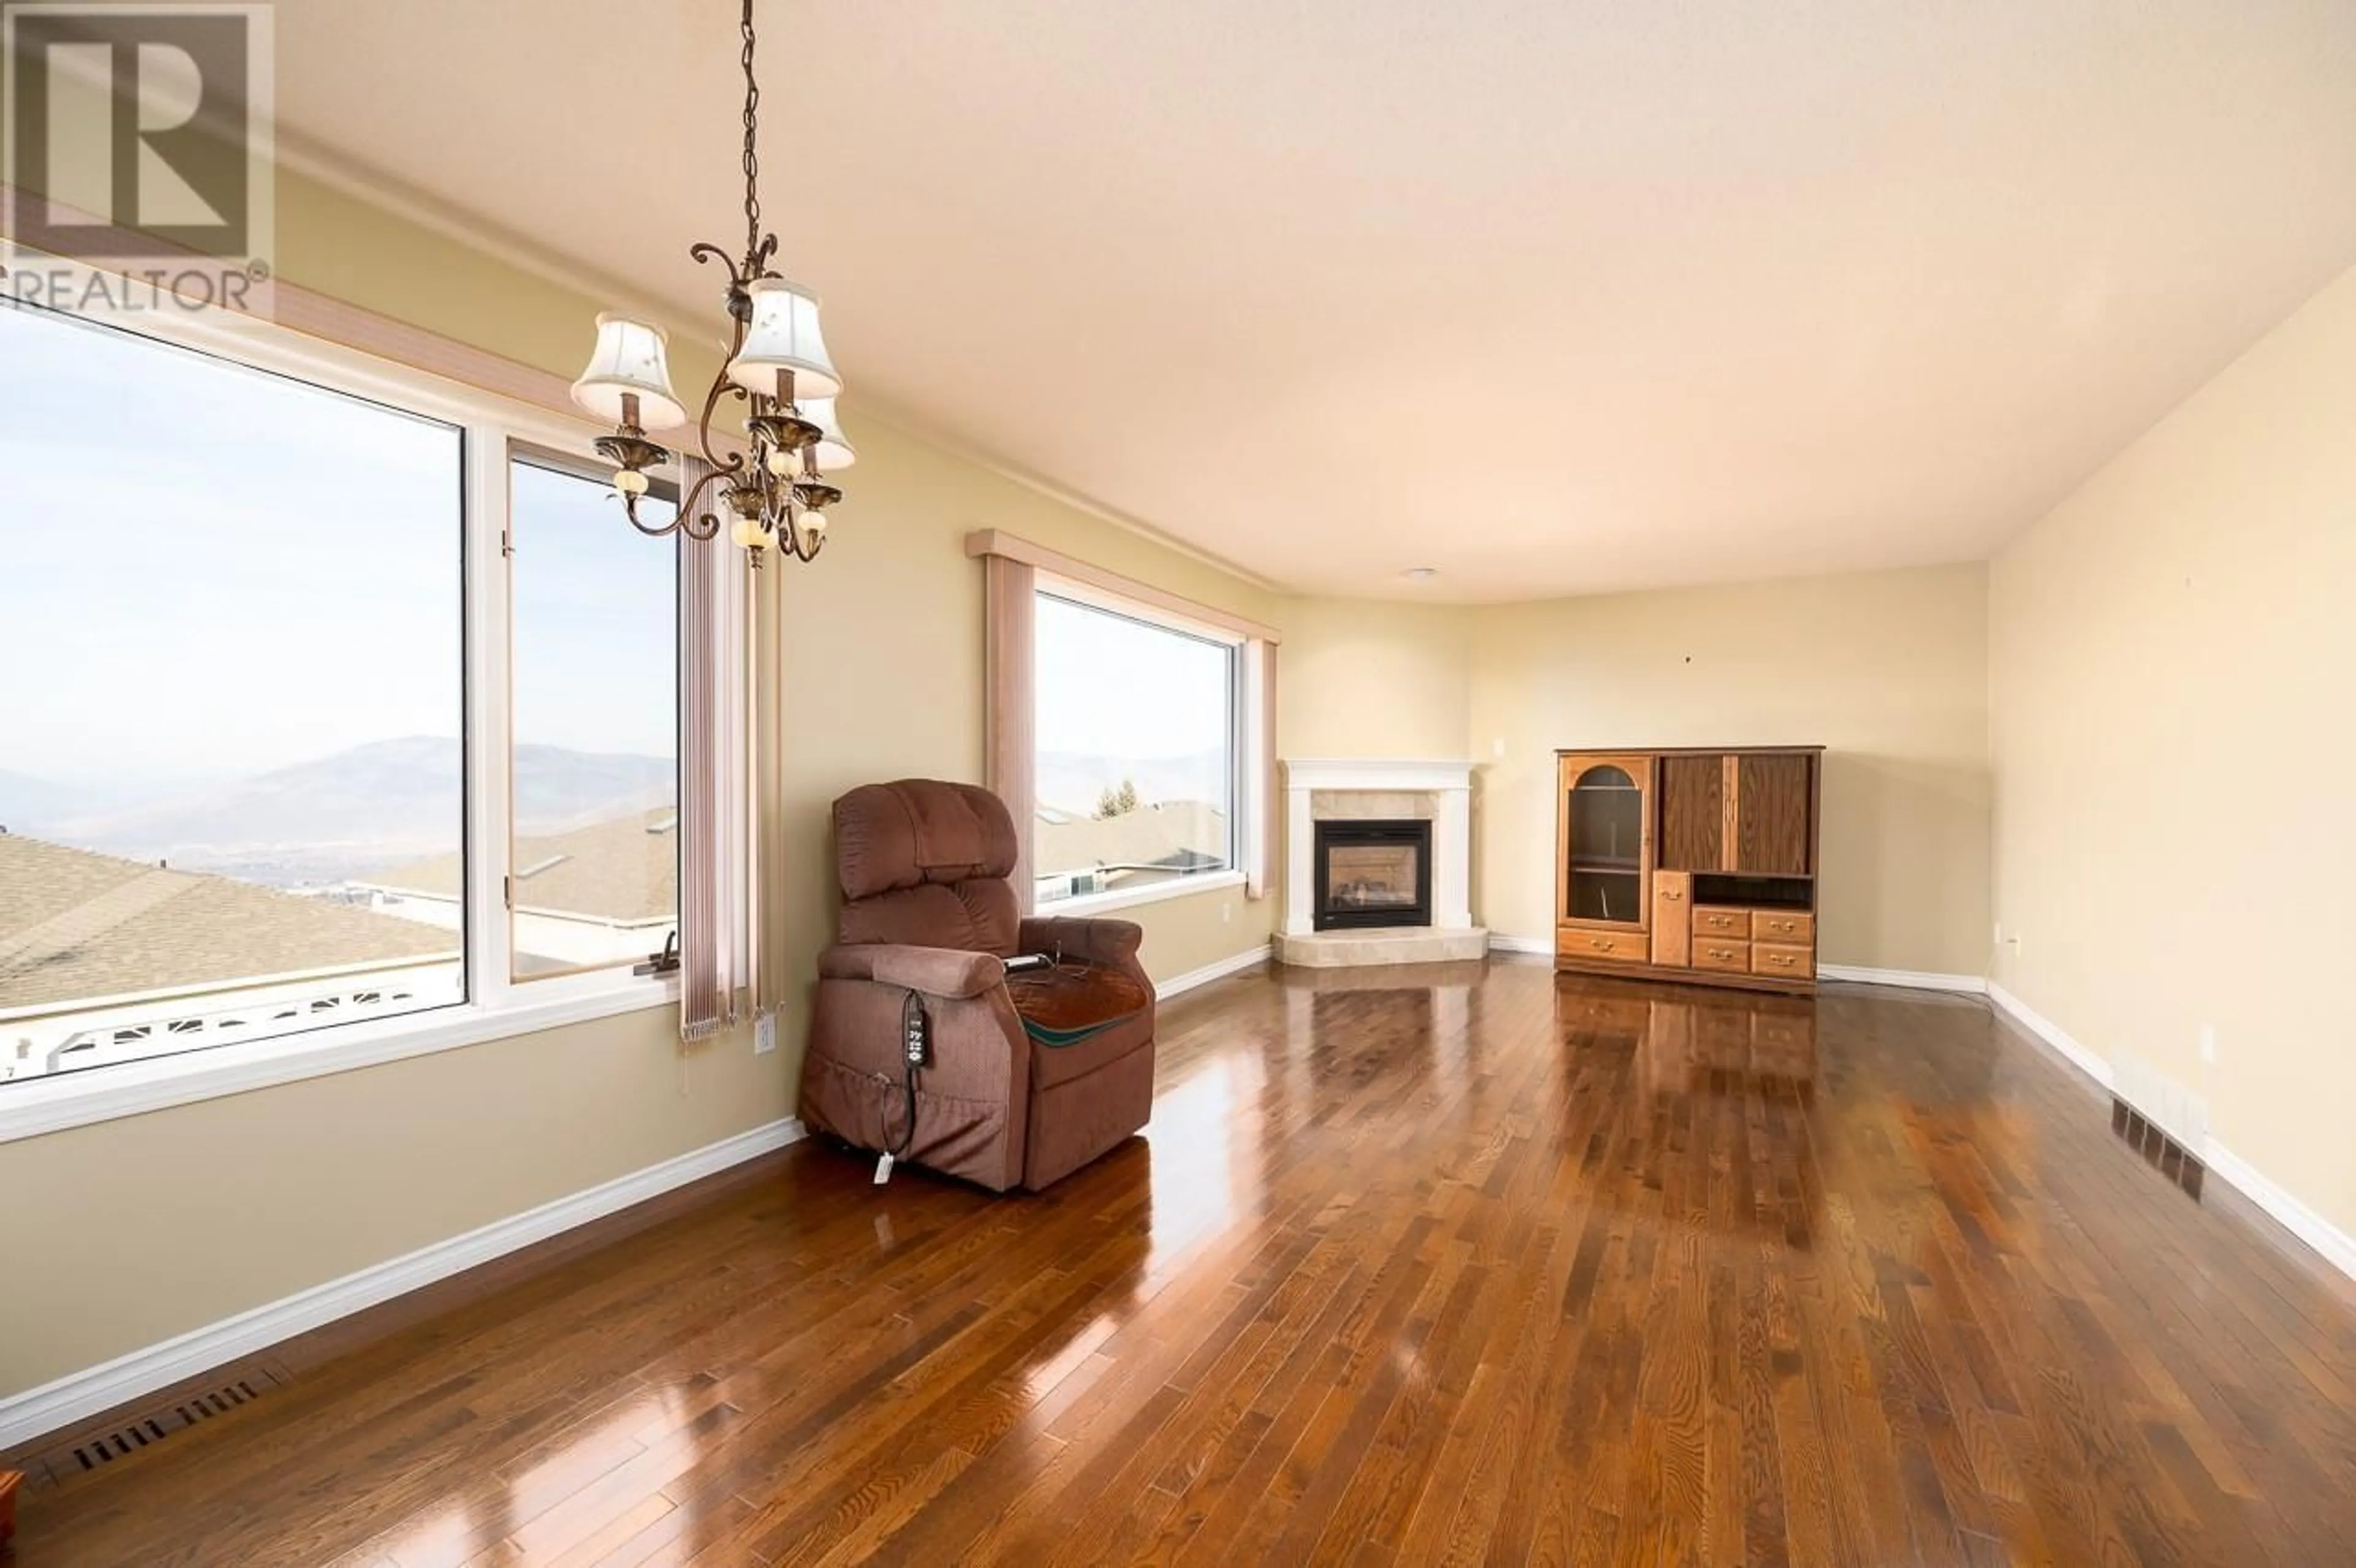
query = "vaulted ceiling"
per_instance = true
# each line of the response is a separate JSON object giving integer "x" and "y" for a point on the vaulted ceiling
{"x": 1553, "y": 295}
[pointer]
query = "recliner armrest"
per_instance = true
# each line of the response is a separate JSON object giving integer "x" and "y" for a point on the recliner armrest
{"x": 936, "y": 970}
{"x": 1112, "y": 941}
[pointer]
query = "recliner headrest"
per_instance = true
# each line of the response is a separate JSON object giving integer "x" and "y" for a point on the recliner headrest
{"x": 914, "y": 831}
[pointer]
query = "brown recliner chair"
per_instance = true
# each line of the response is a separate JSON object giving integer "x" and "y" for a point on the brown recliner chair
{"x": 1027, "y": 1078}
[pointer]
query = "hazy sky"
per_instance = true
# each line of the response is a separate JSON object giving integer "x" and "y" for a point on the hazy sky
{"x": 1108, "y": 685}
{"x": 207, "y": 571}
{"x": 596, "y": 648}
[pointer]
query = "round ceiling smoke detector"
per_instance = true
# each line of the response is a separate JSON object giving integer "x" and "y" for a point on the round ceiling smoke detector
{"x": 1421, "y": 573}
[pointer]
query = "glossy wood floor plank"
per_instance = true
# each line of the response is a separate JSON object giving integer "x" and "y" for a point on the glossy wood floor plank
{"x": 1439, "y": 1265}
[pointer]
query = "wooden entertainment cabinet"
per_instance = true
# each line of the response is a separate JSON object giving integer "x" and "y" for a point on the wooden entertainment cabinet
{"x": 1696, "y": 865}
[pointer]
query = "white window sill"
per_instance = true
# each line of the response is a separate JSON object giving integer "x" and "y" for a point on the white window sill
{"x": 1129, "y": 898}
{"x": 30, "y": 1108}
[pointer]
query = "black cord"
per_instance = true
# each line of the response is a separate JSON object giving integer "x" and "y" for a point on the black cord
{"x": 911, "y": 1039}
{"x": 908, "y": 1139}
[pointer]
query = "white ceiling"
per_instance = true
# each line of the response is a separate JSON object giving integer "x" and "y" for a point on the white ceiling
{"x": 1555, "y": 296}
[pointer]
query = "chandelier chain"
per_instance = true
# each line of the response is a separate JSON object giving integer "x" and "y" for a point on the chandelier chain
{"x": 752, "y": 142}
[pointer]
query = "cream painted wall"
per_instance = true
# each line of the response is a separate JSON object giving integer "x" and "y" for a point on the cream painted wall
{"x": 2173, "y": 674}
{"x": 1363, "y": 677}
{"x": 1887, "y": 670}
{"x": 239, "y": 1202}
{"x": 128, "y": 1231}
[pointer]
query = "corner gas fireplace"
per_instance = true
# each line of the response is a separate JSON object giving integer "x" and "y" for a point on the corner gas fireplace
{"x": 1372, "y": 874}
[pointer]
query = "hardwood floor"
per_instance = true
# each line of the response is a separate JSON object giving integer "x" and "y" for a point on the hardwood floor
{"x": 1414, "y": 1266}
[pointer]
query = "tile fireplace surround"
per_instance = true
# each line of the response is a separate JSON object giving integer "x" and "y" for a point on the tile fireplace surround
{"x": 1363, "y": 789}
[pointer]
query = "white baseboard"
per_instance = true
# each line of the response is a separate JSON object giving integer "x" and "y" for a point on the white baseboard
{"x": 80, "y": 1395}
{"x": 2052, "y": 1034}
{"x": 1506, "y": 942}
{"x": 1912, "y": 979}
{"x": 1234, "y": 964}
{"x": 2334, "y": 1246}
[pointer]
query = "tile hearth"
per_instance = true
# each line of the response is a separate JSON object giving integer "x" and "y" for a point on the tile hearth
{"x": 1380, "y": 945}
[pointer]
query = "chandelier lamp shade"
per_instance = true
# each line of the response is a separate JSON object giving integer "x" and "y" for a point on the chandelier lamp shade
{"x": 771, "y": 488}
{"x": 783, "y": 336}
{"x": 629, "y": 362}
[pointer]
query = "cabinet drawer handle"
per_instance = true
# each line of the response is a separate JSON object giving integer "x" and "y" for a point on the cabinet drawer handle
{"x": 1671, "y": 895}
{"x": 1601, "y": 944}
{"x": 1782, "y": 958}
{"x": 1721, "y": 953}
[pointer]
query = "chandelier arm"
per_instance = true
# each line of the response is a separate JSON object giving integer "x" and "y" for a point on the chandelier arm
{"x": 679, "y": 524}
{"x": 719, "y": 461}
{"x": 790, "y": 538}
{"x": 705, "y": 250}
{"x": 695, "y": 497}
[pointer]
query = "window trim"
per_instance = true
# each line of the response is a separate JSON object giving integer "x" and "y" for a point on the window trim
{"x": 33, "y": 1106}
{"x": 496, "y": 1007}
{"x": 1123, "y": 898}
{"x": 1243, "y": 727}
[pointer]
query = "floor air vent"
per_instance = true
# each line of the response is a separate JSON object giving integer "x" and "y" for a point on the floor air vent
{"x": 2163, "y": 1153}
{"x": 100, "y": 1449}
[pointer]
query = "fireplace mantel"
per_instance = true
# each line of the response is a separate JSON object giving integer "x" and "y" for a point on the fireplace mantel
{"x": 1446, "y": 785}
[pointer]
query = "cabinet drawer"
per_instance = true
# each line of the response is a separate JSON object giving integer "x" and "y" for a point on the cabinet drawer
{"x": 1774, "y": 958}
{"x": 1629, "y": 946}
{"x": 1710, "y": 952}
{"x": 1733, "y": 923}
{"x": 1793, "y": 928}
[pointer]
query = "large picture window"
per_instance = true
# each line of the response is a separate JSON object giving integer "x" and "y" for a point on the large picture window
{"x": 231, "y": 695}
{"x": 339, "y": 712}
{"x": 1137, "y": 727}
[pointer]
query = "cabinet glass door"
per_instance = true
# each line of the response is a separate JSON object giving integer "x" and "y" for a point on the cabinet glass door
{"x": 1606, "y": 847}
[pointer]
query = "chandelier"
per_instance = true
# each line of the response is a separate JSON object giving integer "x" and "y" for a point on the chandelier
{"x": 777, "y": 367}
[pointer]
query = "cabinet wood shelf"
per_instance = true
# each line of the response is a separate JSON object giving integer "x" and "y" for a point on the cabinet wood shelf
{"x": 1680, "y": 863}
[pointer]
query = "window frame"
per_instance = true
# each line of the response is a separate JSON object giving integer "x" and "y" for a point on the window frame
{"x": 491, "y": 424}
{"x": 1243, "y": 730}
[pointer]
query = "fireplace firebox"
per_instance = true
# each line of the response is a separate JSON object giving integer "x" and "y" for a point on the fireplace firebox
{"x": 1372, "y": 874}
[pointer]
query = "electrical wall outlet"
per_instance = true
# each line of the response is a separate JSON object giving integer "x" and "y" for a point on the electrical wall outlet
{"x": 1227, "y": 912}
{"x": 764, "y": 1034}
{"x": 2209, "y": 1045}
{"x": 1497, "y": 746}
